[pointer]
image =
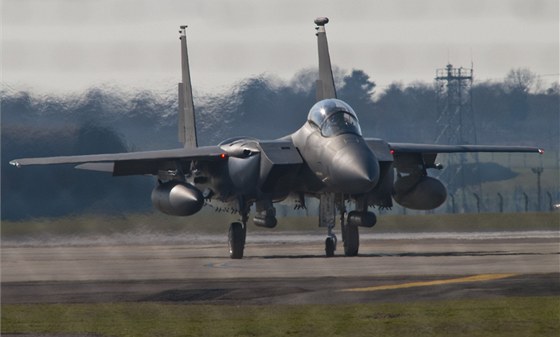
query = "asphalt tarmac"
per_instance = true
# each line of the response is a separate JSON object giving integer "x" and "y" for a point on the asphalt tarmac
{"x": 284, "y": 269}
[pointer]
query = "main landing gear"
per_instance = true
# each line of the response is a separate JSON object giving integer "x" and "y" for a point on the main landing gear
{"x": 236, "y": 239}
{"x": 238, "y": 233}
{"x": 350, "y": 236}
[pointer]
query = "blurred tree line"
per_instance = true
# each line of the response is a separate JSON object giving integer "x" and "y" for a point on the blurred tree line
{"x": 518, "y": 110}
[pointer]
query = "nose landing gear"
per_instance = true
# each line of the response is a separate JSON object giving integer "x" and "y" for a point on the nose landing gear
{"x": 327, "y": 213}
{"x": 330, "y": 243}
{"x": 349, "y": 223}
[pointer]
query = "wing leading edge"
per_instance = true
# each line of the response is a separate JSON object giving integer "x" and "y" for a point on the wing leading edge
{"x": 414, "y": 158}
{"x": 146, "y": 162}
{"x": 435, "y": 148}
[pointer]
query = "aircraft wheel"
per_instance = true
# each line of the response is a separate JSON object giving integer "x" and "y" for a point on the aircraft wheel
{"x": 351, "y": 240}
{"x": 237, "y": 233}
{"x": 330, "y": 246}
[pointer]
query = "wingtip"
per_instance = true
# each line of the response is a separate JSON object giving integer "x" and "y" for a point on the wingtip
{"x": 15, "y": 163}
{"x": 541, "y": 151}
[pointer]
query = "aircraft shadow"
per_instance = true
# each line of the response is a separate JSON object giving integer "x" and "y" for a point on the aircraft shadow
{"x": 407, "y": 254}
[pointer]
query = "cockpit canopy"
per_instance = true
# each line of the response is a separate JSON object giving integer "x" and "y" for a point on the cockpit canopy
{"x": 334, "y": 117}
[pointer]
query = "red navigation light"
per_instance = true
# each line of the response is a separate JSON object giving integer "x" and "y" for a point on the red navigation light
{"x": 392, "y": 151}
{"x": 223, "y": 156}
{"x": 541, "y": 151}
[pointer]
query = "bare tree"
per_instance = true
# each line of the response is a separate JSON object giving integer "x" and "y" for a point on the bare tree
{"x": 522, "y": 80}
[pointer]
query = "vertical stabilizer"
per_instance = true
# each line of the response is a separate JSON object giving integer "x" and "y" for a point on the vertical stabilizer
{"x": 187, "y": 120}
{"x": 325, "y": 84}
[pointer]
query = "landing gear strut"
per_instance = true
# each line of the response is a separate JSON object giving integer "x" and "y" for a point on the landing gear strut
{"x": 327, "y": 219}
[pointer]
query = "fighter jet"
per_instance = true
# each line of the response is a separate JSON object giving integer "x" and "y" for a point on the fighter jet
{"x": 327, "y": 158}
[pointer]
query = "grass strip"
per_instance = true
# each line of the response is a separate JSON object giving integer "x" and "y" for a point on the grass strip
{"x": 531, "y": 316}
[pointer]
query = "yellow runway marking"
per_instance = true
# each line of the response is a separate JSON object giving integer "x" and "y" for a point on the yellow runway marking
{"x": 475, "y": 278}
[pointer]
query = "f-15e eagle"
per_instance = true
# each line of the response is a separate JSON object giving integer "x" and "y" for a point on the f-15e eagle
{"x": 327, "y": 158}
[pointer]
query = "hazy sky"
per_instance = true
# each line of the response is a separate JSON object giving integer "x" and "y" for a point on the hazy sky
{"x": 69, "y": 45}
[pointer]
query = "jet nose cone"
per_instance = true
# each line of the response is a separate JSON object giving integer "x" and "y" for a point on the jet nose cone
{"x": 355, "y": 169}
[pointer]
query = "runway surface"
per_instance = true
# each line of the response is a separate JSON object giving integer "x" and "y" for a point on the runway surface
{"x": 283, "y": 269}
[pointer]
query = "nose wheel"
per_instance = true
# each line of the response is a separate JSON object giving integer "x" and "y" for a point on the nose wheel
{"x": 330, "y": 245}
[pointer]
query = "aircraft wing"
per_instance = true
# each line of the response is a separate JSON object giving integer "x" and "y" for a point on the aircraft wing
{"x": 131, "y": 163}
{"x": 411, "y": 157}
{"x": 435, "y": 148}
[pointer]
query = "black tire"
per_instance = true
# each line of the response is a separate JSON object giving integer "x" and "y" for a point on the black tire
{"x": 351, "y": 240}
{"x": 330, "y": 246}
{"x": 236, "y": 240}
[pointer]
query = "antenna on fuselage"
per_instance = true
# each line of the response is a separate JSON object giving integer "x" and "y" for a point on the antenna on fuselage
{"x": 325, "y": 83}
{"x": 187, "y": 120}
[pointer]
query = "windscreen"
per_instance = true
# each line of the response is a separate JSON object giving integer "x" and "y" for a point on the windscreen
{"x": 334, "y": 117}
